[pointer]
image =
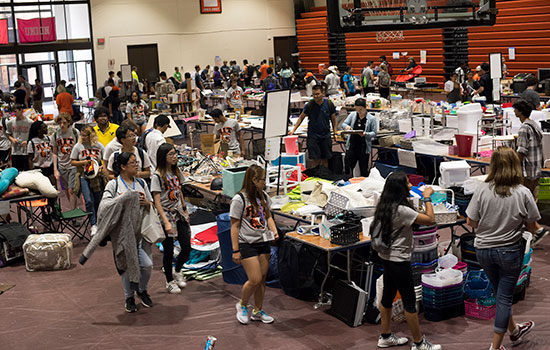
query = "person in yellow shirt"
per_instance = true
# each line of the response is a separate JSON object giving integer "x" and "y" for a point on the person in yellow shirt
{"x": 105, "y": 130}
{"x": 134, "y": 73}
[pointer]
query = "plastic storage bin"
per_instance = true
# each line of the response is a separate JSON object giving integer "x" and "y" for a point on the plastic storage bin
{"x": 477, "y": 285}
{"x": 425, "y": 239}
{"x": 544, "y": 188}
{"x": 443, "y": 279}
{"x": 232, "y": 180}
{"x": 290, "y": 159}
{"x": 454, "y": 173}
{"x": 482, "y": 312}
{"x": 291, "y": 144}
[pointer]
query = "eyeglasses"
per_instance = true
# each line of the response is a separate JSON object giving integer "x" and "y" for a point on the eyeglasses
{"x": 130, "y": 135}
{"x": 172, "y": 154}
{"x": 132, "y": 162}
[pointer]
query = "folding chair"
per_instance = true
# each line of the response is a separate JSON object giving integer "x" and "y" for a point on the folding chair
{"x": 36, "y": 211}
{"x": 65, "y": 220}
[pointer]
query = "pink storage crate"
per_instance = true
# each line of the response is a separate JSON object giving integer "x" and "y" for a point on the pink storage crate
{"x": 425, "y": 239}
{"x": 474, "y": 310}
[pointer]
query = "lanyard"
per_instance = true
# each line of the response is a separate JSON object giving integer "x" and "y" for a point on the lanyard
{"x": 125, "y": 185}
{"x": 261, "y": 210}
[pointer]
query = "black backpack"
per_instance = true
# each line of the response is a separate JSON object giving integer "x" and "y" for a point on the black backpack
{"x": 141, "y": 140}
{"x": 342, "y": 82}
{"x": 116, "y": 170}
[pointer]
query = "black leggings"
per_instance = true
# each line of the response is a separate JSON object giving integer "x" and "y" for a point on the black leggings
{"x": 184, "y": 238}
{"x": 398, "y": 277}
{"x": 356, "y": 153}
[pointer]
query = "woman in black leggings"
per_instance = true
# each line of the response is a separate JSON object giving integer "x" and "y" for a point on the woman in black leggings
{"x": 166, "y": 188}
{"x": 392, "y": 238}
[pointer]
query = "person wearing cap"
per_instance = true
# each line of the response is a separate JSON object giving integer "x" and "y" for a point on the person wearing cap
{"x": 486, "y": 84}
{"x": 359, "y": 146}
{"x": 155, "y": 137}
{"x": 310, "y": 83}
{"x": 477, "y": 75}
{"x": 332, "y": 80}
{"x": 105, "y": 130}
{"x": 320, "y": 112}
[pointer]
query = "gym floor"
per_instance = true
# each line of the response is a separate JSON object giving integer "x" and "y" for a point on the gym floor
{"x": 83, "y": 308}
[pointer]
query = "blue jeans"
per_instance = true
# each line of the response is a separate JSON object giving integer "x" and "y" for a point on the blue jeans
{"x": 503, "y": 266}
{"x": 91, "y": 199}
{"x": 145, "y": 256}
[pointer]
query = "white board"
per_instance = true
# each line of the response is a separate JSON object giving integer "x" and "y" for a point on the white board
{"x": 126, "y": 71}
{"x": 173, "y": 130}
{"x": 276, "y": 113}
{"x": 495, "y": 60}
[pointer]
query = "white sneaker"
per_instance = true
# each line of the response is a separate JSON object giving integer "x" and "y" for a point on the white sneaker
{"x": 243, "y": 315}
{"x": 173, "y": 287}
{"x": 178, "y": 277}
{"x": 426, "y": 345}
{"x": 93, "y": 230}
{"x": 261, "y": 316}
{"x": 392, "y": 340}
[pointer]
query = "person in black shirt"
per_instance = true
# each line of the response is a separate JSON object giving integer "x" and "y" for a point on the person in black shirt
{"x": 20, "y": 94}
{"x": 485, "y": 84}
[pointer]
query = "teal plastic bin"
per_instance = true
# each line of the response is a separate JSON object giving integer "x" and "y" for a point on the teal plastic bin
{"x": 232, "y": 180}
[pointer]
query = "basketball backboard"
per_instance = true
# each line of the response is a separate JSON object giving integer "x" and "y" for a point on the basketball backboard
{"x": 347, "y": 16}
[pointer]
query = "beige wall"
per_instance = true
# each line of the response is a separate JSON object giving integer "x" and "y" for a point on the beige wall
{"x": 244, "y": 29}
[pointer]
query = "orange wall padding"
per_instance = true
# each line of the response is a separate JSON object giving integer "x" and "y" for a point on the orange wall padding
{"x": 523, "y": 24}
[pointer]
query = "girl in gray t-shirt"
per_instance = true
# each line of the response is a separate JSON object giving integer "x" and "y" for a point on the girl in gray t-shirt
{"x": 166, "y": 188}
{"x": 392, "y": 238}
{"x": 40, "y": 150}
{"x": 252, "y": 230}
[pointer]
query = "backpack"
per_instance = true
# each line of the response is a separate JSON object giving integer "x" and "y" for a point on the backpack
{"x": 270, "y": 84}
{"x": 141, "y": 140}
{"x": 250, "y": 70}
{"x": 385, "y": 80}
{"x": 117, "y": 153}
{"x": 342, "y": 82}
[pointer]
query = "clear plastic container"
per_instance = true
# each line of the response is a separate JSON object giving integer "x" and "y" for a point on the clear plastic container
{"x": 444, "y": 278}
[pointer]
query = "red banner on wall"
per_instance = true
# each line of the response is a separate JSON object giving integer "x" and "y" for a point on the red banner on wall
{"x": 36, "y": 30}
{"x": 4, "y": 31}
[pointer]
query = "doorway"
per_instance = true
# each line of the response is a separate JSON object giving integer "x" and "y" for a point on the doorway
{"x": 146, "y": 59}
{"x": 284, "y": 47}
{"x": 45, "y": 72}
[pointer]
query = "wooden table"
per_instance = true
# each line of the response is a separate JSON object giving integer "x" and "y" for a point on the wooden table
{"x": 331, "y": 249}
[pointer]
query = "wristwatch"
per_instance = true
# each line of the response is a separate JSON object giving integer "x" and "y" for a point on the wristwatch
{"x": 427, "y": 200}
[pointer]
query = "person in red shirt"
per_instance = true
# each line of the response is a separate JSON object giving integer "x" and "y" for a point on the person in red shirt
{"x": 64, "y": 102}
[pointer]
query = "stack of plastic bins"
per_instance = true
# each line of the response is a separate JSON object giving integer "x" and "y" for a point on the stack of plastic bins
{"x": 478, "y": 292}
{"x": 425, "y": 244}
{"x": 442, "y": 300}
{"x": 461, "y": 199}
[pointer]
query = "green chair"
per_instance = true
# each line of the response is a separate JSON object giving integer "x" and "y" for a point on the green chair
{"x": 66, "y": 218}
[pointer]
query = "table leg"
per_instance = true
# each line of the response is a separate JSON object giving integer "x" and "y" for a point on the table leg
{"x": 324, "y": 298}
{"x": 348, "y": 258}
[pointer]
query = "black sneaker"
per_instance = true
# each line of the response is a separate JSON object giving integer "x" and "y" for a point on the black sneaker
{"x": 538, "y": 237}
{"x": 130, "y": 305}
{"x": 145, "y": 299}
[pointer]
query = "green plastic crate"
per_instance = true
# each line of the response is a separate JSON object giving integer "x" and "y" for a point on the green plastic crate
{"x": 544, "y": 188}
{"x": 232, "y": 179}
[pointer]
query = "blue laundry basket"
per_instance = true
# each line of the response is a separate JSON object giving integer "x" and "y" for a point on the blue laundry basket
{"x": 231, "y": 272}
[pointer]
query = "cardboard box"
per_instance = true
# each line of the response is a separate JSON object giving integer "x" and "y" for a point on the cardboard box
{"x": 208, "y": 144}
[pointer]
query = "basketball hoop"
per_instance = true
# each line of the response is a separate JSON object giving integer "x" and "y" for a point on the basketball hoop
{"x": 392, "y": 35}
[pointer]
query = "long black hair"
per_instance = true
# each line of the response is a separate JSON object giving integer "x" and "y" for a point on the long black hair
{"x": 122, "y": 159}
{"x": 395, "y": 193}
{"x": 163, "y": 167}
{"x": 35, "y": 129}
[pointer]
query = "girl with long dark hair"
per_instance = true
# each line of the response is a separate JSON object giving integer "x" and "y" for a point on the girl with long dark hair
{"x": 499, "y": 209}
{"x": 392, "y": 237}
{"x": 166, "y": 188}
{"x": 127, "y": 180}
{"x": 40, "y": 150}
{"x": 252, "y": 230}
{"x": 136, "y": 110}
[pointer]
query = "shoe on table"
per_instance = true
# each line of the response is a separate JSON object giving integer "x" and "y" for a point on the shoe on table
{"x": 93, "y": 230}
{"x": 145, "y": 299}
{"x": 130, "y": 305}
{"x": 172, "y": 287}
{"x": 539, "y": 235}
{"x": 243, "y": 315}
{"x": 261, "y": 316}
{"x": 178, "y": 277}
{"x": 392, "y": 340}
{"x": 426, "y": 345}
{"x": 521, "y": 330}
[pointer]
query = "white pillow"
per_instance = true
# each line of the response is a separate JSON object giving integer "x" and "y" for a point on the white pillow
{"x": 35, "y": 180}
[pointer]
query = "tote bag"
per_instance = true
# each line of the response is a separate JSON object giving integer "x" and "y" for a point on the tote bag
{"x": 151, "y": 228}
